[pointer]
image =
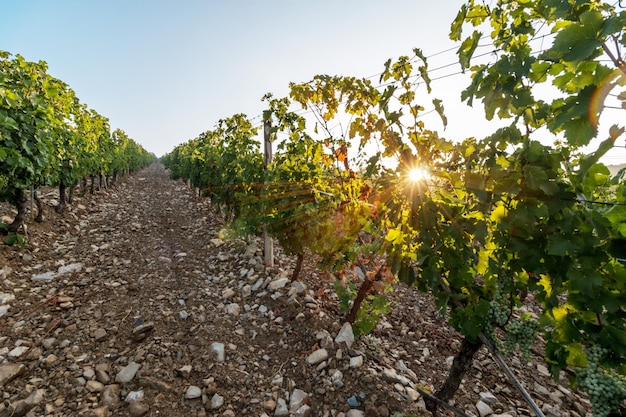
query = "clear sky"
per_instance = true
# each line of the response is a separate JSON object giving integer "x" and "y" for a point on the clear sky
{"x": 164, "y": 71}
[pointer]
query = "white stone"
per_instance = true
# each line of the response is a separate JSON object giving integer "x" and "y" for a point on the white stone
{"x": 216, "y": 401}
{"x": 134, "y": 396}
{"x": 6, "y": 298}
{"x": 246, "y": 291}
{"x": 193, "y": 392}
{"x": 250, "y": 251}
{"x": 488, "y": 398}
{"x": 298, "y": 287}
{"x": 185, "y": 371}
{"x": 449, "y": 361}
{"x": 219, "y": 352}
{"x": 94, "y": 386}
{"x": 4, "y": 309}
{"x": 297, "y": 399}
{"x": 35, "y": 398}
{"x": 345, "y": 335}
{"x": 356, "y": 362}
{"x": 278, "y": 380}
{"x": 46, "y": 276}
{"x": 483, "y": 409}
{"x": 127, "y": 373}
{"x": 228, "y": 293}
{"x": 335, "y": 375}
{"x": 10, "y": 371}
{"x": 355, "y": 413}
{"x": 303, "y": 411}
{"x": 543, "y": 370}
{"x": 413, "y": 394}
{"x": 390, "y": 374}
{"x": 233, "y": 309}
{"x": 278, "y": 284}
{"x": 5, "y": 271}
{"x": 258, "y": 285}
{"x": 18, "y": 351}
{"x": 281, "y": 408}
{"x": 68, "y": 269}
{"x": 318, "y": 356}
{"x": 541, "y": 389}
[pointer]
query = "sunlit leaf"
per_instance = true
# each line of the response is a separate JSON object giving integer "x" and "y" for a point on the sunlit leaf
{"x": 467, "y": 48}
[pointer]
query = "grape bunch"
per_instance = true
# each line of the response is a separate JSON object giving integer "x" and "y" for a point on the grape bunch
{"x": 497, "y": 316}
{"x": 606, "y": 390}
{"x": 521, "y": 333}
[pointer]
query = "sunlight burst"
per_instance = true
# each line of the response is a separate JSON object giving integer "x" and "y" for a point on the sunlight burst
{"x": 418, "y": 174}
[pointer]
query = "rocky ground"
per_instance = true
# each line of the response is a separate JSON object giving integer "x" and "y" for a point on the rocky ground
{"x": 131, "y": 304}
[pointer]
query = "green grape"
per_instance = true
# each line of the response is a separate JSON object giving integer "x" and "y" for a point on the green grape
{"x": 521, "y": 333}
{"x": 497, "y": 316}
{"x": 606, "y": 390}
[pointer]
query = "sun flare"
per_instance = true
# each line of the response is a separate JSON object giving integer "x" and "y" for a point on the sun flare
{"x": 418, "y": 174}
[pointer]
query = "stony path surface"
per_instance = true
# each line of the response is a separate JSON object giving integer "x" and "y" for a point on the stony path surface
{"x": 132, "y": 305}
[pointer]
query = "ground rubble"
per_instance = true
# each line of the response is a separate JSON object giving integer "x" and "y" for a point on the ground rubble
{"x": 135, "y": 303}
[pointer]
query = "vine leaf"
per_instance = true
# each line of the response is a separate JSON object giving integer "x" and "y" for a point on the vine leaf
{"x": 467, "y": 48}
{"x": 439, "y": 109}
{"x": 577, "y": 42}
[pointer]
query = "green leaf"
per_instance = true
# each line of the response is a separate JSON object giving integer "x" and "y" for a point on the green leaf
{"x": 612, "y": 25}
{"x": 467, "y": 48}
{"x": 456, "y": 29}
{"x": 439, "y": 109}
{"x": 584, "y": 281}
{"x": 577, "y": 42}
{"x": 617, "y": 216}
{"x": 535, "y": 176}
{"x": 579, "y": 132}
{"x": 470, "y": 320}
{"x": 596, "y": 176}
{"x": 14, "y": 238}
{"x": 592, "y": 159}
{"x": 539, "y": 71}
{"x": 559, "y": 245}
{"x": 7, "y": 122}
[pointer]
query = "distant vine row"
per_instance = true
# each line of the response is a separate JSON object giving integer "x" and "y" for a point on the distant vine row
{"x": 49, "y": 138}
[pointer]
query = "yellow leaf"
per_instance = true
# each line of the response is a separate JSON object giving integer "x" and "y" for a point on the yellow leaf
{"x": 394, "y": 236}
{"x": 483, "y": 261}
{"x": 544, "y": 281}
{"x": 498, "y": 213}
{"x": 559, "y": 313}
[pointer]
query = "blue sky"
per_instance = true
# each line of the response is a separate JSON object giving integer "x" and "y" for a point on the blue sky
{"x": 165, "y": 71}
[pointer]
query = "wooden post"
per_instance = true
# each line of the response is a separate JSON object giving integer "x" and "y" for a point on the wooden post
{"x": 268, "y": 243}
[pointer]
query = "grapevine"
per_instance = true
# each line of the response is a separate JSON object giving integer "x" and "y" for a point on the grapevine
{"x": 496, "y": 218}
